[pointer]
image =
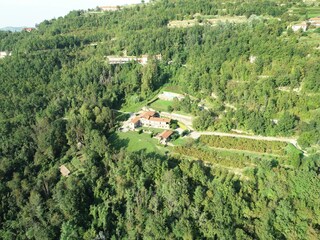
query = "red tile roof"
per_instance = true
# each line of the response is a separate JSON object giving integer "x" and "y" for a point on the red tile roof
{"x": 166, "y": 134}
{"x": 148, "y": 114}
{"x": 166, "y": 120}
{"x": 135, "y": 120}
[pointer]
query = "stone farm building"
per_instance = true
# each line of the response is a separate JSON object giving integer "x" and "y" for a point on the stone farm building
{"x": 164, "y": 137}
{"x": 150, "y": 119}
{"x": 28, "y": 29}
{"x": 315, "y": 22}
{"x": 143, "y": 60}
{"x": 109, "y": 8}
{"x": 303, "y": 26}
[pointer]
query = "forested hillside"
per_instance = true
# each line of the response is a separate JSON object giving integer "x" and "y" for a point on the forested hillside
{"x": 58, "y": 102}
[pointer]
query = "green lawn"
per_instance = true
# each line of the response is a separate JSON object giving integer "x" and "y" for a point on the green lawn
{"x": 161, "y": 105}
{"x": 180, "y": 141}
{"x": 154, "y": 130}
{"x": 133, "y": 141}
{"x": 174, "y": 89}
{"x": 135, "y": 107}
{"x": 119, "y": 116}
{"x": 292, "y": 150}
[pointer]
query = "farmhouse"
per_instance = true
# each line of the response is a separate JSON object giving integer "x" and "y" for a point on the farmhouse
{"x": 150, "y": 119}
{"x": 28, "y": 29}
{"x": 164, "y": 137}
{"x": 315, "y": 21}
{"x": 135, "y": 123}
{"x": 113, "y": 60}
{"x": 120, "y": 60}
{"x": 303, "y": 26}
{"x": 157, "y": 122}
{"x": 109, "y": 8}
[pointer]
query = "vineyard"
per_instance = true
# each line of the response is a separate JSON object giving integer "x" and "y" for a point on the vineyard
{"x": 269, "y": 147}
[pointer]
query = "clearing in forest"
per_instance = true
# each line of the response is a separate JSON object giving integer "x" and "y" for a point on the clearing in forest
{"x": 201, "y": 20}
{"x": 134, "y": 142}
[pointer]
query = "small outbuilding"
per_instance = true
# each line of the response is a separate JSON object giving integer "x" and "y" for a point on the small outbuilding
{"x": 164, "y": 137}
{"x": 64, "y": 171}
{"x": 135, "y": 122}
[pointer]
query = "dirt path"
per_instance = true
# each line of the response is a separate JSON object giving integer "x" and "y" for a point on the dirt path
{"x": 187, "y": 120}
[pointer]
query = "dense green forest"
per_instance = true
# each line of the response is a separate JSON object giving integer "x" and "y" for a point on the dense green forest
{"x": 58, "y": 98}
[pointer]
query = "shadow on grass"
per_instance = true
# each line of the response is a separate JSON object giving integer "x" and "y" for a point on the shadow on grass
{"x": 117, "y": 143}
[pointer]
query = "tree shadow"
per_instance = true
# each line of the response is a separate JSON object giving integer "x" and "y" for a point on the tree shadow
{"x": 117, "y": 143}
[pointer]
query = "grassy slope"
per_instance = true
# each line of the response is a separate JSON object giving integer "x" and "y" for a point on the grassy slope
{"x": 134, "y": 141}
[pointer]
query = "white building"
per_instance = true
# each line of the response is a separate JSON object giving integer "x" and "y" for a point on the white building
{"x": 150, "y": 119}
{"x": 315, "y": 21}
{"x": 143, "y": 60}
{"x": 120, "y": 60}
{"x": 109, "y": 8}
{"x": 252, "y": 59}
{"x": 303, "y": 26}
{"x": 5, "y": 54}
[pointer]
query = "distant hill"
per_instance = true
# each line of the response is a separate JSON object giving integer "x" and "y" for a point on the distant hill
{"x": 12, "y": 29}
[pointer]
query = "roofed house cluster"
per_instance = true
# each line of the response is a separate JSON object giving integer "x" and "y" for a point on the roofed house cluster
{"x": 150, "y": 119}
{"x": 143, "y": 60}
{"x": 314, "y": 22}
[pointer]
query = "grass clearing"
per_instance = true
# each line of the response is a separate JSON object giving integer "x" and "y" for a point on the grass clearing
{"x": 201, "y": 20}
{"x": 161, "y": 105}
{"x": 119, "y": 116}
{"x": 292, "y": 151}
{"x": 180, "y": 141}
{"x": 133, "y": 142}
{"x": 154, "y": 130}
{"x": 172, "y": 88}
{"x": 134, "y": 107}
{"x": 183, "y": 126}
